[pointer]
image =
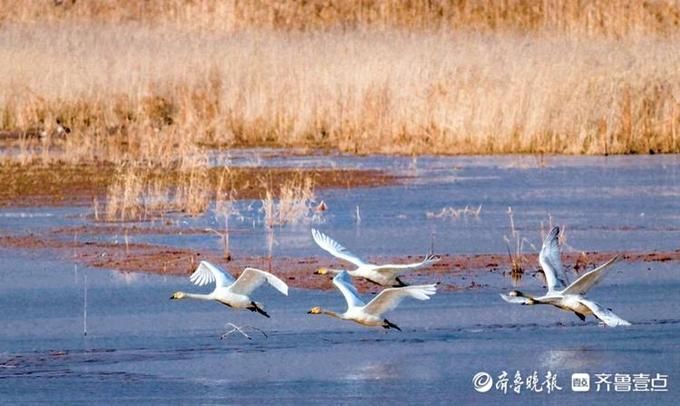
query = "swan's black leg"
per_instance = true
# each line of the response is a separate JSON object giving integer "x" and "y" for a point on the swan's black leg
{"x": 255, "y": 308}
{"x": 388, "y": 324}
{"x": 400, "y": 283}
{"x": 373, "y": 282}
{"x": 580, "y": 316}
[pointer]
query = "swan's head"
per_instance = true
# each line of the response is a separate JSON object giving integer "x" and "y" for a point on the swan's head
{"x": 321, "y": 271}
{"x": 517, "y": 293}
{"x": 178, "y": 295}
{"x": 314, "y": 310}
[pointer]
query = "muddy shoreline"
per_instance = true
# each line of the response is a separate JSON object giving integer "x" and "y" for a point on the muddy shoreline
{"x": 61, "y": 184}
{"x": 455, "y": 272}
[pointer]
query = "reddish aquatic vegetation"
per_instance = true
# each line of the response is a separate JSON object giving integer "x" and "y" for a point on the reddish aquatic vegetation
{"x": 455, "y": 272}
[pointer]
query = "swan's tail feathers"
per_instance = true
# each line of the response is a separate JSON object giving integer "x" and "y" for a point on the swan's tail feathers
{"x": 613, "y": 320}
{"x": 257, "y": 307}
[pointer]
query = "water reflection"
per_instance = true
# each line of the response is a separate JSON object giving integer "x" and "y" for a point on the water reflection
{"x": 571, "y": 359}
{"x": 374, "y": 371}
{"x": 127, "y": 278}
{"x": 516, "y": 276}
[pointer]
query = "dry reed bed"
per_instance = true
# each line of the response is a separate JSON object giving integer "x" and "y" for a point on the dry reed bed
{"x": 130, "y": 92}
{"x": 148, "y": 187}
{"x": 590, "y": 17}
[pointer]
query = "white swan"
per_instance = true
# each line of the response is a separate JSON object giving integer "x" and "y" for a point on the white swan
{"x": 371, "y": 314}
{"x": 229, "y": 291}
{"x": 383, "y": 275}
{"x": 570, "y": 298}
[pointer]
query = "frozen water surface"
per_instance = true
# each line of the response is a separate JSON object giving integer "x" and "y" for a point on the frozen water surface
{"x": 141, "y": 346}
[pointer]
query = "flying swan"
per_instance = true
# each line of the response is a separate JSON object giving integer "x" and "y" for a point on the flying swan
{"x": 229, "y": 291}
{"x": 383, "y": 275}
{"x": 571, "y": 297}
{"x": 371, "y": 314}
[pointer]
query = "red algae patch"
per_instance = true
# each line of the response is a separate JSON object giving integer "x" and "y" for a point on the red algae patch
{"x": 455, "y": 272}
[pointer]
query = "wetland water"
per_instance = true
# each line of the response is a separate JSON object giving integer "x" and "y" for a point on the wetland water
{"x": 141, "y": 346}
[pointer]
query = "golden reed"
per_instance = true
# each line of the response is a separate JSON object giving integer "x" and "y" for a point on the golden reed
{"x": 149, "y": 81}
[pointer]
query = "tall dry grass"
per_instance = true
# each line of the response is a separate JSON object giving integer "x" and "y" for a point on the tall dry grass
{"x": 142, "y": 192}
{"x": 135, "y": 93}
{"x": 589, "y": 17}
{"x": 294, "y": 203}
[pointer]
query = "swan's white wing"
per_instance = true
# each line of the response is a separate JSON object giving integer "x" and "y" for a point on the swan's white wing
{"x": 252, "y": 278}
{"x": 430, "y": 259}
{"x": 604, "y": 314}
{"x": 515, "y": 299}
{"x": 590, "y": 279}
{"x": 334, "y": 248}
{"x": 390, "y": 298}
{"x": 550, "y": 261}
{"x": 207, "y": 273}
{"x": 344, "y": 282}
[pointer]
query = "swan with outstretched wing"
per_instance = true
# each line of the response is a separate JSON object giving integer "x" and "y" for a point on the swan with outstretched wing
{"x": 551, "y": 262}
{"x": 232, "y": 292}
{"x": 383, "y": 275}
{"x": 371, "y": 314}
{"x": 568, "y": 297}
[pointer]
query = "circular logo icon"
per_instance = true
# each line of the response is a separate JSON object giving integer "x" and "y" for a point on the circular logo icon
{"x": 482, "y": 382}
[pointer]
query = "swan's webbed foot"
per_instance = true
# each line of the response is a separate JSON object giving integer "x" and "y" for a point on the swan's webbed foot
{"x": 580, "y": 316}
{"x": 255, "y": 308}
{"x": 388, "y": 325}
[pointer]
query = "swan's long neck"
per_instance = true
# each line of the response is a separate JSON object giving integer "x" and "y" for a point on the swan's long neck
{"x": 198, "y": 296}
{"x": 332, "y": 314}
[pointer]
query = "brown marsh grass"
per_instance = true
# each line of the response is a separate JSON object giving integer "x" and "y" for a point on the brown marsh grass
{"x": 138, "y": 193}
{"x": 294, "y": 204}
{"x": 131, "y": 92}
{"x": 151, "y": 81}
{"x": 582, "y": 17}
